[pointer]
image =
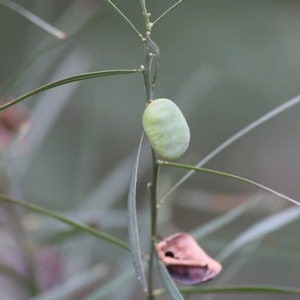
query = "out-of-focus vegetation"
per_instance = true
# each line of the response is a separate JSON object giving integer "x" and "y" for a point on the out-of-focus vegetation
{"x": 225, "y": 64}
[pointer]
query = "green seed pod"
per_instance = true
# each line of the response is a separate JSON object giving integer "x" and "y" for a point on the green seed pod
{"x": 166, "y": 128}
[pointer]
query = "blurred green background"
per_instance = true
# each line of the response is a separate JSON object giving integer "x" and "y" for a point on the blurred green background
{"x": 225, "y": 63}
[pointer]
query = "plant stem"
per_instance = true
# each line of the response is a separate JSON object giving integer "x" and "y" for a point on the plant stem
{"x": 168, "y": 10}
{"x": 153, "y": 199}
{"x": 149, "y": 46}
{"x": 150, "y": 50}
{"x": 146, "y": 15}
{"x": 147, "y": 70}
{"x": 124, "y": 17}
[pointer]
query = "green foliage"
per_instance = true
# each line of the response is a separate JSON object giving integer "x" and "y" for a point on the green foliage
{"x": 70, "y": 150}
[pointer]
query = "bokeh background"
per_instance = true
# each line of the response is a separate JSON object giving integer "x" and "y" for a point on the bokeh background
{"x": 225, "y": 63}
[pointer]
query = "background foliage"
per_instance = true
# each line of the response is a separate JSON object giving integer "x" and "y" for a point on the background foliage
{"x": 225, "y": 63}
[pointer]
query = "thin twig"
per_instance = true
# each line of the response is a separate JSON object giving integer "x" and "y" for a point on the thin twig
{"x": 124, "y": 17}
{"x": 168, "y": 10}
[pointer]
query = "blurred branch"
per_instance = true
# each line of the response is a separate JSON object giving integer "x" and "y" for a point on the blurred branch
{"x": 34, "y": 19}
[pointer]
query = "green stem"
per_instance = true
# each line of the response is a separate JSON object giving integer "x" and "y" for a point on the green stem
{"x": 150, "y": 50}
{"x": 168, "y": 10}
{"x": 146, "y": 15}
{"x": 124, "y": 17}
{"x": 153, "y": 199}
{"x": 147, "y": 71}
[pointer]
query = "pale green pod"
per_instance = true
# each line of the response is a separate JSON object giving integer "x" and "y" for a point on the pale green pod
{"x": 166, "y": 128}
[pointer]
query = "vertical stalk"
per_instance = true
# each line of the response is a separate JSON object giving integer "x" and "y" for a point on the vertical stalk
{"x": 147, "y": 70}
{"x": 153, "y": 185}
{"x": 150, "y": 50}
{"x": 146, "y": 15}
{"x": 153, "y": 199}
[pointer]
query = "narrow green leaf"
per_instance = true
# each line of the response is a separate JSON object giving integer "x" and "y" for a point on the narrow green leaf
{"x": 261, "y": 289}
{"x": 74, "y": 224}
{"x": 171, "y": 288}
{"x": 66, "y": 80}
{"x": 271, "y": 114}
{"x": 165, "y": 163}
{"x": 134, "y": 239}
{"x": 124, "y": 17}
{"x": 34, "y": 19}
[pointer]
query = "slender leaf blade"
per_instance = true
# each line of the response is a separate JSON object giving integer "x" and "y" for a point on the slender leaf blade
{"x": 74, "y": 224}
{"x": 271, "y": 114}
{"x": 134, "y": 239}
{"x": 171, "y": 288}
{"x": 260, "y": 289}
{"x": 209, "y": 171}
{"x": 67, "y": 80}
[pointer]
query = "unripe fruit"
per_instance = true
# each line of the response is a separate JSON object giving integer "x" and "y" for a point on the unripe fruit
{"x": 166, "y": 128}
